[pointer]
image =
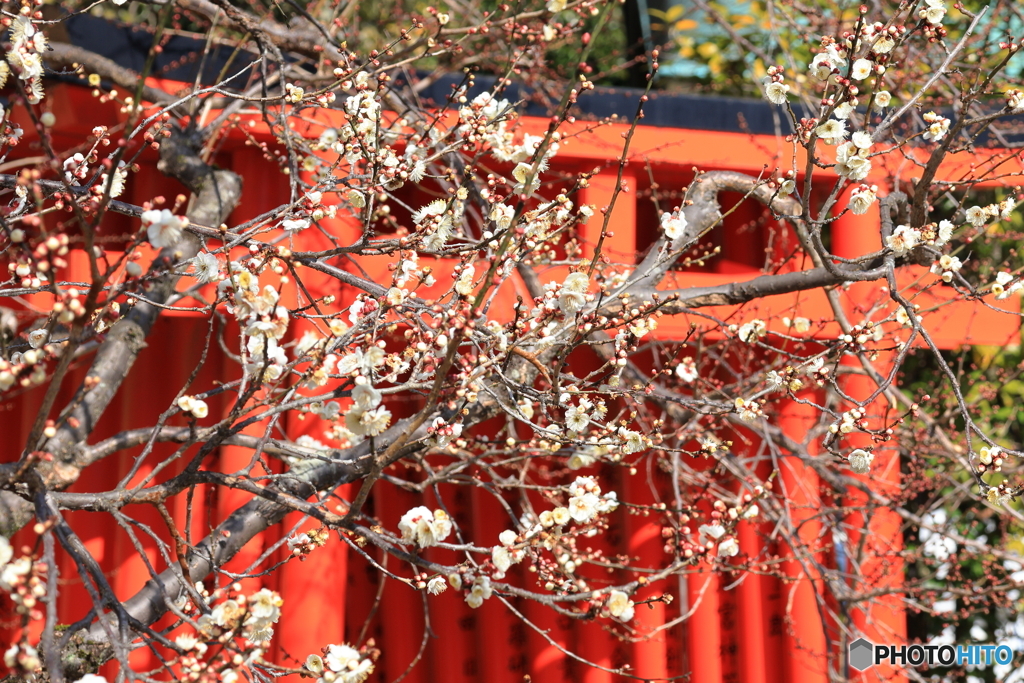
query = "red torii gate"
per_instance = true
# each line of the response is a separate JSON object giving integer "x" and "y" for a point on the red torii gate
{"x": 763, "y": 631}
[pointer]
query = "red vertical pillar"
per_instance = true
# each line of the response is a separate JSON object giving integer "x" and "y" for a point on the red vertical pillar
{"x": 750, "y": 655}
{"x": 644, "y": 542}
{"x": 401, "y": 616}
{"x": 496, "y": 641}
{"x": 883, "y": 620}
{"x": 804, "y": 631}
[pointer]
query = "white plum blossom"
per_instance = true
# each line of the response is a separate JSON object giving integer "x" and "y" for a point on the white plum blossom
{"x": 464, "y": 285}
{"x": 37, "y": 338}
{"x": 502, "y": 215}
{"x": 501, "y": 558}
{"x": 748, "y": 410}
{"x": 882, "y": 99}
{"x": 932, "y": 11}
{"x": 577, "y": 417}
{"x": 751, "y": 331}
{"x": 851, "y": 162}
{"x": 632, "y": 441}
{"x": 437, "y": 585}
{"x": 775, "y": 92}
{"x": 800, "y": 325}
{"x": 584, "y": 500}
{"x": 884, "y": 44}
{"x": 480, "y": 591}
{"x": 205, "y": 267}
{"x": 977, "y": 216}
{"x": 687, "y": 369}
{"x": 573, "y": 293}
{"x": 710, "y": 531}
{"x": 861, "y": 140}
{"x": 348, "y": 664}
{"x": 860, "y": 461}
{"x": 424, "y": 527}
{"x": 825, "y": 63}
{"x": 728, "y": 548}
{"x": 1015, "y": 101}
{"x": 832, "y": 132}
{"x": 903, "y": 239}
{"x": 163, "y": 228}
{"x": 946, "y": 266}
{"x": 844, "y": 110}
{"x": 861, "y": 69}
{"x": 620, "y": 606}
{"x": 938, "y": 126}
{"x": 295, "y": 224}
{"x": 1000, "y": 289}
{"x": 673, "y": 224}
{"x": 862, "y": 198}
{"x": 521, "y": 173}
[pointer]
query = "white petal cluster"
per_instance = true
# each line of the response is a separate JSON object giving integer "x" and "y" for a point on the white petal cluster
{"x": 747, "y": 409}
{"x": 577, "y": 417}
{"x": 204, "y": 267}
{"x": 687, "y": 369}
{"x": 197, "y": 407}
{"x": 25, "y": 57}
{"x": 163, "y": 228}
{"x": 342, "y": 664}
{"x": 946, "y": 266}
{"x": 751, "y": 331}
{"x": 673, "y": 224}
{"x": 632, "y": 441}
{"x": 423, "y": 527}
{"x": 903, "y": 239}
{"x": 938, "y": 126}
{"x": 573, "y": 294}
{"x": 828, "y": 64}
{"x": 832, "y": 132}
{"x": 862, "y": 198}
{"x": 932, "y": 11}
{"x": 1015, "y": 101}
{"x": 860, "y": 461}
{"x": 480, "y": 591}
{"x": 619, "y": 606}
{"x": 1000, "y": 289}
{"x": 775, "y": 90}
{"x": 862, "y": 68}
{"x": 852, "y": 161}
{"x": 366, "y": 417}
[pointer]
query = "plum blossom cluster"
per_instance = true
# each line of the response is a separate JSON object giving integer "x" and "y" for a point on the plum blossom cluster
{"x": 163, "y": 228}
{"x": 24, "y": 582}
{"x": 342, "y": 664}
{"x": 251, "y": 617}
{"x": 1005, "y": 285}
{"x": 25, "y": 57}
{"x": 776, "y": 90}
{"x": 423, "y": 527}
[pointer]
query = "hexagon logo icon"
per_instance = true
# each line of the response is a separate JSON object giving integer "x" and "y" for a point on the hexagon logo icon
{"x": 861, "y": 654}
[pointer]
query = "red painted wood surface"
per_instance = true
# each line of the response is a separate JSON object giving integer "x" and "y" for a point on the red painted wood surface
{"x": 761, "y": 631}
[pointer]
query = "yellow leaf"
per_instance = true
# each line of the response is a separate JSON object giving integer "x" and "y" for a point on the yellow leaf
{"x": 685, "y": 25}
{"x": 759, "y": 69}
{"x": 707, "y": 50}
